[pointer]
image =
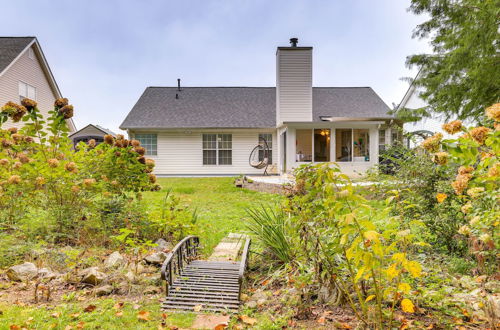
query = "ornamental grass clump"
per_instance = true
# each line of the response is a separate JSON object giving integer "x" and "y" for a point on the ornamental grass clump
{"x": 43, "y": 175}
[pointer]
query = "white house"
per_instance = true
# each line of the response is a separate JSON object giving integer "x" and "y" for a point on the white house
{"x": 212, "y": 130}
{"x": 25, "y": 72}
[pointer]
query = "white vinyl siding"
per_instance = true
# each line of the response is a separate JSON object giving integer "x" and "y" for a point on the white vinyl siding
{"x": 180, "y": 152}
{"x": 150, "y": 142}
{"x": 294, "y": 85}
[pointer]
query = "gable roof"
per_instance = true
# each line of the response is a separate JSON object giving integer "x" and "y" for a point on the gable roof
{"x": 243, "y": 107}
{"x": 100, "y": 128}
{"x": 11, "y": 48}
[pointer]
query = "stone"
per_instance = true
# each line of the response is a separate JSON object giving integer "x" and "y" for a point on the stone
{"x": 207, "y": 321}
{"x": 92, "y": 276}
{"x": 104, "y": 290}
{"x": 114, "y": 260}
{"x": 157, "y": 258}
{"x": 162, "y": 245}
{"x": 47, "y": 274}
{"x": 258, "y": 295}
{"x": 130, "y": 276}
{"x": 22, "y": 272}
{"x": 251, "y": 304}
{"x": 153, "y": 279}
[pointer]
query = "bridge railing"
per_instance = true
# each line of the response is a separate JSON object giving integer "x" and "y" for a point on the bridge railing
{"x": 243, "y": 265}
{"x": 184, "y": 252}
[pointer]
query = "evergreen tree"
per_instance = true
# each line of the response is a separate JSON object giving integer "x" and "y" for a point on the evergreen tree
{"x": 462, "y": 77}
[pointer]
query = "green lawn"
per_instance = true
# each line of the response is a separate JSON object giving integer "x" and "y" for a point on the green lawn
{"x": 221, "y": 206}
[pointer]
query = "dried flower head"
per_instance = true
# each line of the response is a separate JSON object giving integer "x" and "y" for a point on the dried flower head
{"x": 53, "y": 162}
{"x": 92, "y": 143}
{"x": 152, "y": 178}
{"x": 4, "y": 162}
{"x": 104, "y": 178}
{"x": 23, "y": 158}
{"x": 453, "y": 127}
{"x": 496, "y": 126}
{"x": 141, "y": 160}
{"x": 17, "y": 165}
{"x": 485, "y": 237}
{"x": 466, "y": 208}
{"x": 75, "y": 189}
{"x": 475, "y": 191}
{"x": 474, "y": 220}
{"x": 118, "y": 154}
{"x": 12, "y": 130}
{"x": 114, "y": 183}
{"x": 119, "y": 143}
{"x": 29, "y": 104}
{"x": 9, "y": 108}
{"x": 135, "y": 143}
{"x": 19, "y": 113}
{"x": 464, "y": 230}
{"x": 70, "y": 167}
{"x": 493, "y": 112}
{"x": 61, "y": 102}
{"x": 120, "y": 137}
{"x": 15, "y": 179}
{"x": 431, "y": 144}
{"x": 6, "y": 143}
{"x": 126, "y": 143}
{"x": 66, "y": 111}
{"x": 28, "y": 139}
{"x": 88, "y": 182}
{"x": 460, "y": 183}
{"x": 440, "y": 158}
{"x": 140, "y": 150}
{"x": 40, "y": 181}
{"x": 17, "y": 137}
{"x": 465, "y": 170}
{"x": 108, "y": 139}
{"x": 479, "y": 134}
{"x": 493, "y": 171}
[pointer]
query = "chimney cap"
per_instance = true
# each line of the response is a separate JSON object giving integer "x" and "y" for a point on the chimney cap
{"x": 294, "y": 41}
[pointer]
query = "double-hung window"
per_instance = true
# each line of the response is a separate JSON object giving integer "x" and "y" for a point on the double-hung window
{"x": 217, "y": 149}
{"x": 268, "y": 137}
{"x": 26, "y": 91}
{"x": 150, "y": 142}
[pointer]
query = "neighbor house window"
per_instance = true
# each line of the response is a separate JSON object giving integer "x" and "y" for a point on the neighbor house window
{"x": 150, "y": 142}
{"x": 217, "y": 149}
{"x": 361, "y": 145}
{"x": 269, "y": 140}
{"x": 322, "y": 145}
{"x": 343, "y": 145}
{"x": 26, "y": 91}
{"x": 304, "y": 145}
{"x": 381, "y": 141}
{"x": 31, "y": 53}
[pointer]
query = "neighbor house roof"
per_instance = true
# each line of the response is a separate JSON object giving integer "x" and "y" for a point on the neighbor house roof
{"x": 242, "y": 107}
{"x": 12, "y": 47}
{"x": 100, "y": 128}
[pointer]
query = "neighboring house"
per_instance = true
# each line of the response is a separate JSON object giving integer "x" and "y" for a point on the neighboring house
{"x": 24, "y": 72}
{"x": 90, "y": 132}
{"x": 212, "y": 130}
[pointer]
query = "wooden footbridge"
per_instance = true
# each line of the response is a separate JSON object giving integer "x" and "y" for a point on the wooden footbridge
{"x": 203, "y": 285}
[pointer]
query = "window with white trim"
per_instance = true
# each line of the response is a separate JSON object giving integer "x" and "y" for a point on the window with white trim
{"x": 26, "y": 91}
{"x": 381, "y": 140}
{"x": 217, "y": 149}
{"x": 150, "y": 142}
{"x": 269, "y": 140}
{"x": 31, "y": 53}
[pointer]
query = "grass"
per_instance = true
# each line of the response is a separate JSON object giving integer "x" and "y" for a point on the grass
{"x": 221, "y": 207}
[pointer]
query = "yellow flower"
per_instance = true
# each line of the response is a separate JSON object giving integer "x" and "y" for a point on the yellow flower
{"x": 404, "y": 287}
{"x": 441, "y": 197}
{"x": 464, "y": 230}
{"x": 493, "y": 112}
{"x": 474, "y": 220}
{"x": 414, "y": 268}
{"x": 392, "y": 272}
{"x": 453, "y": 127}
{"x": 407, "y": 306}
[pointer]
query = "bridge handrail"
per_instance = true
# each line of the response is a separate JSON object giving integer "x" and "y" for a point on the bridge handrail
{"x": 186, "y": 248}
{"x": 243, "y": 265}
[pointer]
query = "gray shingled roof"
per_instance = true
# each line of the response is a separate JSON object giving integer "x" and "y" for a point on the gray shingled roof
{"x": 10, "y": 47}
{"x": 242, "y": 107}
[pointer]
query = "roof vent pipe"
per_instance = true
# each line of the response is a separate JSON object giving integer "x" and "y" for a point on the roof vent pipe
{"x": 294, "y": 41}
{"x": 176, "y": 96}
{"x": 179, "y": 84}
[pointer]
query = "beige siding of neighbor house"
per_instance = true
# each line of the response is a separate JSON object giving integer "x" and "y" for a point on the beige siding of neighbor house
{"x": 29, "y": 71}
{"x": 293, "y": 85}
{"x": 180, "y": 152}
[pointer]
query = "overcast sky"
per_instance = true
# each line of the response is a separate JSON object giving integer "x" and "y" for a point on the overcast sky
{"x": 104, "y": 53}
